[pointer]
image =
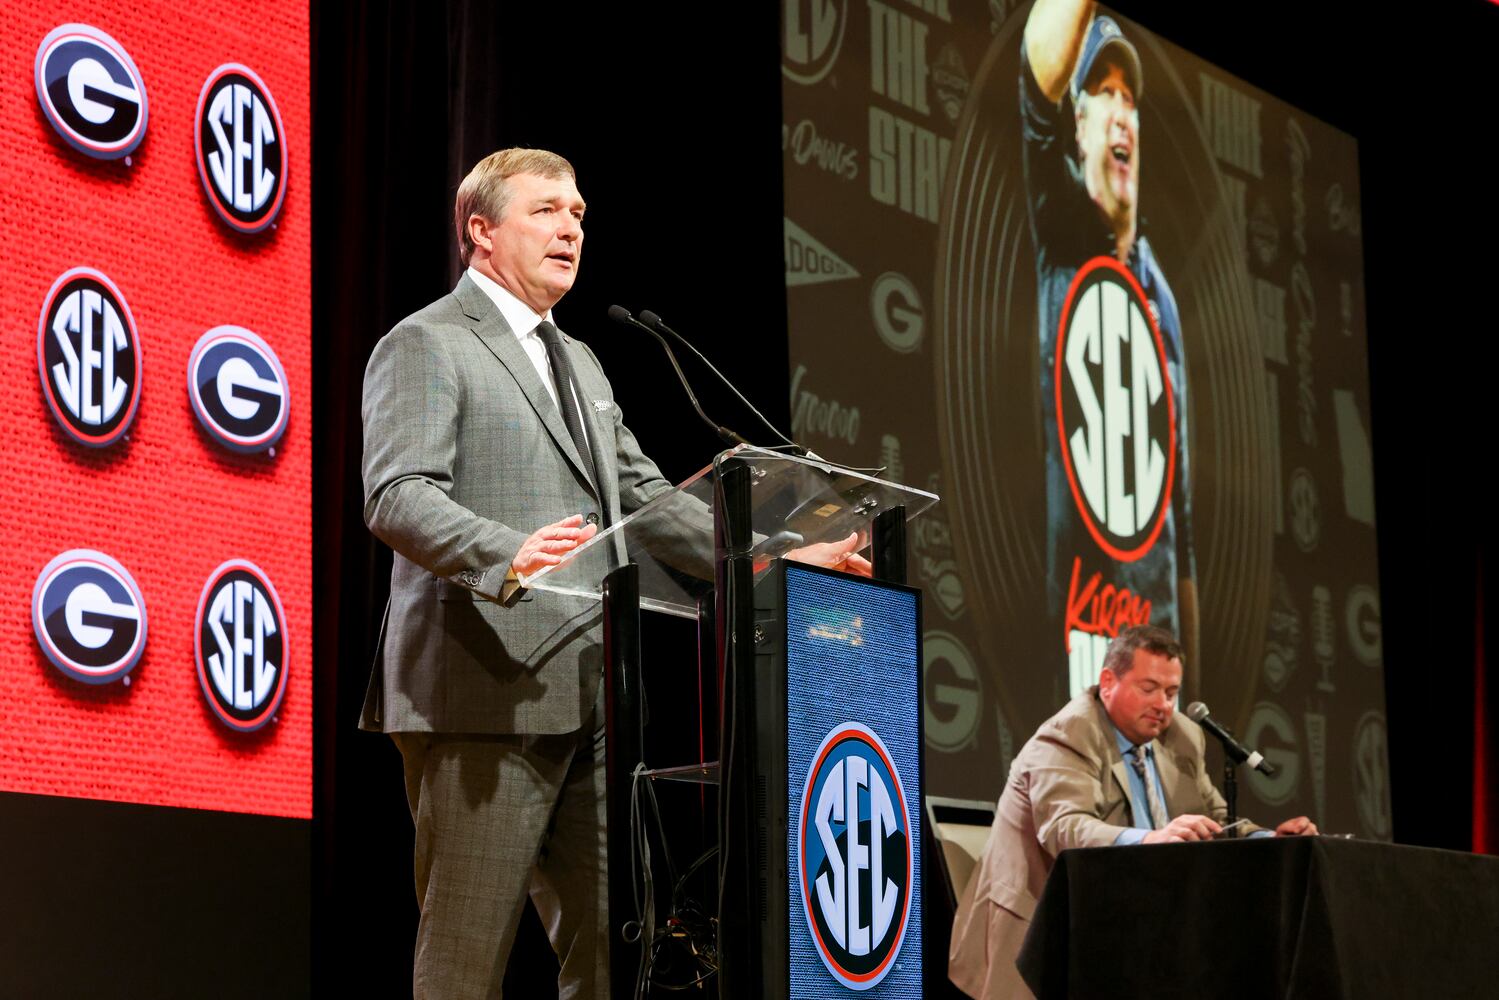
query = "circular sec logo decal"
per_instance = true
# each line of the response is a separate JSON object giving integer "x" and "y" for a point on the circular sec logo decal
{"x": 89, "y": 616}
{"x": 238, "y": 389}
{"x": 90, "y": 91}
{"x": 239, "y": 639}
{"x": 1116, "y": 412}
{"x": 241, "y": 148}
{"x": 854, "y": 856}
{"x": 88, "y": 355}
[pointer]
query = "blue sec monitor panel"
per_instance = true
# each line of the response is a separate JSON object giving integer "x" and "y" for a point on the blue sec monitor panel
{"x": 853, "y": 786}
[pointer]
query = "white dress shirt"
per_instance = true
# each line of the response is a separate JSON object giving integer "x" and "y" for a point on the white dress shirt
{"x": 523, "y": 322}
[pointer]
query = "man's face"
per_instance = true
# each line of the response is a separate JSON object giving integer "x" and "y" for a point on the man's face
{"x": 534, "y": 249}
{"x": 1108, "y": 140}
{"x": 1141, "y": 702}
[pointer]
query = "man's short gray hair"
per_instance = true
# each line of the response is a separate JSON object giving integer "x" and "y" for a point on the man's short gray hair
{"x": 1151, "y": 638}
{"x": 485, "y": 191}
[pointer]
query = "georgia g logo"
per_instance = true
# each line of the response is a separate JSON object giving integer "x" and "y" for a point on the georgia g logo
{"x": 1116, "y": 412}
{"x": 89, "y": 616}
{"x": 854, "y": 856}
{"x": 238, "y": 389}
{"x": 239, "y": 639}
{"x": 90, "y": 91}
{"x": 241, "y": 148}
{"x": 88, "y": 355}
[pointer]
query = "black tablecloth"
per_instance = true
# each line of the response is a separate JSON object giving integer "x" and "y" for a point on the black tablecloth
{"x": 1303, "y": 917}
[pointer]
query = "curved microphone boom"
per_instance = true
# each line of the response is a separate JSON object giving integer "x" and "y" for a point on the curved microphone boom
{"x": 653, "y": 322}
{"x": 1198, "y": 713}
{"x": 622, "y": 315}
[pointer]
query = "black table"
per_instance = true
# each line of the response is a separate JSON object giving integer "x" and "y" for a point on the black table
{"x": 1302, "y": 917}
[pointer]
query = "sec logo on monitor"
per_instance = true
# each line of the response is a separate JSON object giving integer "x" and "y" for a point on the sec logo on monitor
{"x": 854, "y": 856}
{"x": 89, "y": 616}
{"x": 88, "y": 357}
{"x": 90, "y": 91}
{"x": 241, "y": 148}
{"x": 240, "y": 644}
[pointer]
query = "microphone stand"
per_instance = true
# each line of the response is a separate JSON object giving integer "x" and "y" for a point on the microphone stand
{"x": 1231, "y": 793}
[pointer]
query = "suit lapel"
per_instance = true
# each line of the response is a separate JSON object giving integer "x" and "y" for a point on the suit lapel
{"x": 1173, "y": 781}
{"x": 491, "y": 329}
{"x": 604, "y": 460}
{"x": 1120, "y": 768}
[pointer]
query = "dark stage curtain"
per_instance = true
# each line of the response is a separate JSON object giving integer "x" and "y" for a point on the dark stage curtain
{"x": 1485, "y": 720}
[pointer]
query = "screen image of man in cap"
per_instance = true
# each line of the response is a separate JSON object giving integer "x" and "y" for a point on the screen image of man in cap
{"x": 1112, "y": 368}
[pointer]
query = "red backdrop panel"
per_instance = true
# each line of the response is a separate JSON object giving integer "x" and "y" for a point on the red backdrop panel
{"x": 168, "y": 502}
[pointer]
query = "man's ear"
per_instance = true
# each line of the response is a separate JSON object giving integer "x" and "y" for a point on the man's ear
{"x": 478, "y": 233}
{"x": 1106, "y": 681}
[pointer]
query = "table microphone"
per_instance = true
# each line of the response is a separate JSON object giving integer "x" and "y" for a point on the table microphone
{"x": 1198, "y": 713}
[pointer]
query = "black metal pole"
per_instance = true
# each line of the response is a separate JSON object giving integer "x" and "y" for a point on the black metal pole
{"x": 709, "y": 707}
{"x": 623, "y": 750}
{"x": 738, "y": 924}
{"x": 1231, "y": 792}
{"x": 890, "y": 544}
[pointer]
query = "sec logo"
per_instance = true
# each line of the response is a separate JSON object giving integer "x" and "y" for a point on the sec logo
{"x": 238, "y": 389}
{"x": 88, "y": 356}
{"x": 240, "y": 644}
{"x": 90, "y": 91}
{"x": 855, "y": 857}
{"x": 89, "y": 616}
{"x": 1115, "y": 409}
{"x": 241, "y": 148}
{"x": 811, "y": 35}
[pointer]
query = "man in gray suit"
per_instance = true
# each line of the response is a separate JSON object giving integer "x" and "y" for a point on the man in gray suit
{"x": 473, "y": 476}
{"x": 493, "y": 447}
{"x": 1115, "y": 766}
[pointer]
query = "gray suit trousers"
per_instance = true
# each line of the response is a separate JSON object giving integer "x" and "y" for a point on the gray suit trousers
{"x": 481, "y": 804}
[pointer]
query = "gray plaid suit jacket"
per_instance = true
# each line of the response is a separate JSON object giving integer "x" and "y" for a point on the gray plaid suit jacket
{"x": 465, "y": 455}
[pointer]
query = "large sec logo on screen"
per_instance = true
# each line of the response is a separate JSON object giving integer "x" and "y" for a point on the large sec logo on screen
{"x": 89, "y": 616}
{"x": 88, "y": 356}
{"x": 241, "y": 148}
{"x": 855, "y": 857}
{"x": 1115, "y": 410}
{"x": 238, "y": 389}
{"x": 90, "y": 91}
{"x": 240, "y": 645}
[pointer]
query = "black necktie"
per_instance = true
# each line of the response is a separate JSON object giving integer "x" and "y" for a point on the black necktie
{"x": 566, "y": 398}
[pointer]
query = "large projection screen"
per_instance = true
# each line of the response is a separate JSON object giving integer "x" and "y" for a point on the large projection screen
{"x": 1180, "y": 438}
{"x": 156, "y": 691}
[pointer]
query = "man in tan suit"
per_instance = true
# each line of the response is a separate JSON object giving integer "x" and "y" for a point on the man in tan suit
{"x": 1073, "y": 786}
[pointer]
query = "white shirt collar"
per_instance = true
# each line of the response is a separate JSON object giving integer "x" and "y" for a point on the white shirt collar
{"x": 522, "y": 319}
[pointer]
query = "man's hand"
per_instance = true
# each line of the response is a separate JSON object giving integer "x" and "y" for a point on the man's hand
{"x": 842, "y": 555}
{"x": 1298, "y": 827}
{"x": 1182, "y": 829}
{"x": 546, "y": 546}
{"x": 1054, "y": 34}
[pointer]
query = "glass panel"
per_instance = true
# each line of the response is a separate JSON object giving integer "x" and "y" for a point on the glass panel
{"x": 794, "y": 501}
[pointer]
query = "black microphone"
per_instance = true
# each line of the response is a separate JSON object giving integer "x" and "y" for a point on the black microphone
{"x": 622, "y": 315}
{"x": 655, "y": 322}
{"x": 1198, "y": 713}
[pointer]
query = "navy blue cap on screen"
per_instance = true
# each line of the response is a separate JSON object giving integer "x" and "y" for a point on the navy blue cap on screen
{"x": 1105, "y": 40}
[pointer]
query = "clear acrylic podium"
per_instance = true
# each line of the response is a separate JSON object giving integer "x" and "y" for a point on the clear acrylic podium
{"x": 694, "y": 552}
